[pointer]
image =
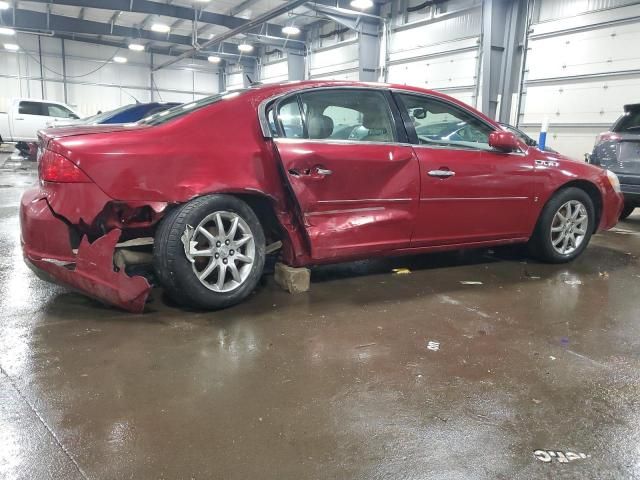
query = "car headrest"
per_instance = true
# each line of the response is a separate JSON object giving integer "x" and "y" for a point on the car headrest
{"x": 320, "y": 126}
{"x": 375, "y": 120}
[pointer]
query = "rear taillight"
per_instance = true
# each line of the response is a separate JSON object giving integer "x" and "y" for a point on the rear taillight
{"x": 53, "y": 167}
{"x": 607, "y": 137}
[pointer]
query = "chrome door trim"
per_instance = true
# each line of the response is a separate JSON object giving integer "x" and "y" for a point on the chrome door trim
{"x": 366, "y": 200}
{"x": 346, "y": 210}
{"x": 427, "y": 199}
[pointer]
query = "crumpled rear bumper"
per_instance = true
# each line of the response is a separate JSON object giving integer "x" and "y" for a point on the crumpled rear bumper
{"x": 47, "y": 249}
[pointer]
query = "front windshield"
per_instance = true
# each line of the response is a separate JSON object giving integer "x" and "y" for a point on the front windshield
{"x": 180, "y": 110}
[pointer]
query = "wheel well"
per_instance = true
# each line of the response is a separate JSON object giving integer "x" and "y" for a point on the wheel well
{"x": 592, "y": 191}
{"x": 263, "y": 208}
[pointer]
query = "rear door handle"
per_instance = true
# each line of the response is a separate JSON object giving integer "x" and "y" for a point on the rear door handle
{"x": 323, "y": 171}
{"x": 441, "y": 173}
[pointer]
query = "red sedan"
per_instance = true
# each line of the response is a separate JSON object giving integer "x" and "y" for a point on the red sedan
{"x": 334, "y": 170}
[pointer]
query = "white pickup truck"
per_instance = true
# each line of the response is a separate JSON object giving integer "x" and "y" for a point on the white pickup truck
{"x": 26, "y": 116}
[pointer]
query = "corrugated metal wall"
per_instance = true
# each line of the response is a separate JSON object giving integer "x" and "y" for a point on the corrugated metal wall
{"x": 93, "y": 82}
{"x": 581, "y": 69}
{"x": 334, "y": 57}
{"x": 553, "y": 9}
{"x": 440, "y": 51}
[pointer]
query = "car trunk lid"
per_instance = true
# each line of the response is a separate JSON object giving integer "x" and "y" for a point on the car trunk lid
{"x": 45, "y": 136}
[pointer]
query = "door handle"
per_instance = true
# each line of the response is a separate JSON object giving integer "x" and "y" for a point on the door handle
{"x": 323, "y": 171}
{"x": 441, "y": 173}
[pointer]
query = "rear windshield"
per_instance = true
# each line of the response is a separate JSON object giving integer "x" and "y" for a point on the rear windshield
{"x": 180, "y": 110}
{"x": 629, "y": 122}
{"x": 104, "y": 115}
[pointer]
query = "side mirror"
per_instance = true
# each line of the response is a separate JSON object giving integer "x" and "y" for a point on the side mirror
{"x": 419, "y": 113}
{"x": 503, "y": 141}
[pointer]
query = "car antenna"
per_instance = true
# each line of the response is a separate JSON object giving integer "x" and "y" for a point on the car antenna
{"x": 127, "y": 93}
{"x": 251, "y": 82}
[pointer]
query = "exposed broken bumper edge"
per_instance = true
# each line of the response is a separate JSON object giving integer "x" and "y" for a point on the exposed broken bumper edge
{"x": 90, "y": 271}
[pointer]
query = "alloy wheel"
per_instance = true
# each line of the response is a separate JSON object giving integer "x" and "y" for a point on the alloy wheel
{"x": 221, "y": 250}
{"x": 569, "y": 227}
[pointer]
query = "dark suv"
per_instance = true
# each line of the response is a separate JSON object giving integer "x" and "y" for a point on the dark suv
{"x": 619, "y": 151}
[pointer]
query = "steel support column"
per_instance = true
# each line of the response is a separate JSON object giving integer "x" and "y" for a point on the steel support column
{"x": 295, "y": 65}
{"x": 503, "y": 27}
{"x": 369, "y": 37}
{"x": 368, "y": 53}
{"x": 64, "y": 72}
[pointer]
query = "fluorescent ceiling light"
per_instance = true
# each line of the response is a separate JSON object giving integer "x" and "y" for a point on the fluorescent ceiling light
{"x": 290, "y": 30}
{"x": 160, "y": 27}
{"x": 7, "y": 31}
{"x": 136, "y": 47}
{"x": 214, "y": 59}
{"x": 361, "y": 4}
{"x": 203, "y": 1}
{"x": 12, "y": 47}
{"x": 120, "y": 59}
{"x": 4, "y": 5}
{"x": 245, "y": 47}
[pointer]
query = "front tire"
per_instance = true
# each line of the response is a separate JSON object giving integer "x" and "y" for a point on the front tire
{"x": 210, "y": 252}
{"x": 564, "y": 228}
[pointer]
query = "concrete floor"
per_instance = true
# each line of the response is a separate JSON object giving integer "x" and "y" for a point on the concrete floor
{"x": 336, "y": 383}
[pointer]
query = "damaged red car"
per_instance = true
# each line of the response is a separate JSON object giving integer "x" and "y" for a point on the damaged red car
{"x": 329, "y": 171}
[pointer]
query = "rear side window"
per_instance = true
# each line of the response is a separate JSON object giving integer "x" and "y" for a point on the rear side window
{"x": 357, "y": 115}
{"x": 629, "y": 122}
{"x": 31, "y": 108}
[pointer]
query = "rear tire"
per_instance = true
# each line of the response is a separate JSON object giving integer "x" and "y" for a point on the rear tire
{"x": 210, "y": 252}
{"x": 564, "y": 228}
{"x": 626, "y": 211}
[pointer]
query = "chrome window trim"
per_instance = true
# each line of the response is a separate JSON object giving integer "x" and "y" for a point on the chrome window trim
{"x": 339, "y": 141}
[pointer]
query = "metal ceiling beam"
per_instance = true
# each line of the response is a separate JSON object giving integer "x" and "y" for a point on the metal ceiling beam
{"x": 157, "y": 8}
{"x": 249, "y": 25}
{"x": 123, "y": 45}
{"x": 37, "y": 21}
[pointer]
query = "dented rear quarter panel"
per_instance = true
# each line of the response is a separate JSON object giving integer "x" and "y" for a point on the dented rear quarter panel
{"x": 218, "y": 148}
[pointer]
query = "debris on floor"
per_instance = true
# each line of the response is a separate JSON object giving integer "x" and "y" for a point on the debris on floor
{"x": 561, "y": 457}
{"x": 573, "y": 282}
{"x": 531, "y": 276}
{"x": 604, "y": 274}
{"x": 433, "y": 345}
{"x": 401, "y": 271}
{"x": 470, "y": 282}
